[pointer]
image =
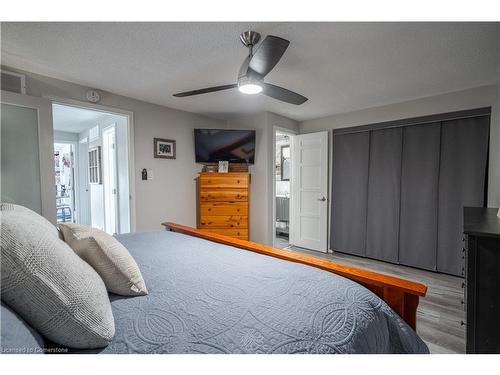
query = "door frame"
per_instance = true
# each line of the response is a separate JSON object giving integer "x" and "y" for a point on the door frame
{"x": 45, "y": 147}
{"x": 130, "y": 136}
{"x": 273, "y": 179}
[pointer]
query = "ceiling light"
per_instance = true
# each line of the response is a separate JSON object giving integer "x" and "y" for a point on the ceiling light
{"x": 250, "y": 88}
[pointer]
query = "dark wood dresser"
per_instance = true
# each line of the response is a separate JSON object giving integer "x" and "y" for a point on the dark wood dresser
{"x": 482, "y": 254}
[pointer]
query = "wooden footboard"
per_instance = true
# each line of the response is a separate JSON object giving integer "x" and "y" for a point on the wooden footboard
{"x": 400, "y": 294}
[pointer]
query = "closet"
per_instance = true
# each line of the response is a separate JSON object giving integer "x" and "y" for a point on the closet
{"x": 399, "y": 188}
{"x": 350, "y": 173}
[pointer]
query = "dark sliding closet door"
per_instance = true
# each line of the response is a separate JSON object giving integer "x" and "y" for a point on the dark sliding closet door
{"x": 464, "y": 152}
{"x": 382, "y": 224}
{"x": 349, "y": 192}
{"x": 419, "y": 195}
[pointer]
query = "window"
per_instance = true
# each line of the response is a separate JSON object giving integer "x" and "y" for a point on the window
{"x": 95, "y": 165}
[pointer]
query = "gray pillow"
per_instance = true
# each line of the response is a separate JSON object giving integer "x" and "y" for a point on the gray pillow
{"x": 108, "y": 257}
{"x": 40, "y": 220}
{"x": 49, "y": 286}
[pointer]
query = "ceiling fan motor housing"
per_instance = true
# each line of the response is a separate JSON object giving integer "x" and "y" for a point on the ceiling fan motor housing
{"x": 250, "y": 38}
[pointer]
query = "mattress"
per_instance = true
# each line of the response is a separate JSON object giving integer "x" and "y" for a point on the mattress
{"x": 206, "y": 297}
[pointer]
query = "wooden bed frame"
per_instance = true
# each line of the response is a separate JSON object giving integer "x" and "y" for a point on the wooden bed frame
{"x": 400, "y": 294}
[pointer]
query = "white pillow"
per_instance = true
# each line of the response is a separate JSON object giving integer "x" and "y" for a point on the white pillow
{"x": 49, "y": 286}
{"x": 108, "y": 256}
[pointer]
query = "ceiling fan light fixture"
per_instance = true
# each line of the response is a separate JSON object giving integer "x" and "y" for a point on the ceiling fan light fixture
{"x": 254, "y": 68}
{"x": 250, "y": 88}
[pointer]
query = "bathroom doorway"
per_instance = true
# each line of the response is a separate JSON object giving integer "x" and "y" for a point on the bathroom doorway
{"x": 282, "y": 191}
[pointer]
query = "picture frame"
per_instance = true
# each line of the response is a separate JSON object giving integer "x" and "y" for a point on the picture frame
{"x": 223, "y": 167}
{"x": 164, "y": 148}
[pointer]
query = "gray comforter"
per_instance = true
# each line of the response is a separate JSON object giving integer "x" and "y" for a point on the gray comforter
{"x": 209, "y": 298}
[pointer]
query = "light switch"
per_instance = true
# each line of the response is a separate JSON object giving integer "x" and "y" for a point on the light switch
{"x": 150, "y": 174}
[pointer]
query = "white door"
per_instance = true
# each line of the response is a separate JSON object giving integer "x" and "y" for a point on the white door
{"x": 309, "y": 216}
{"x": 84, "y": 216}
{"x": 110, "y": 180}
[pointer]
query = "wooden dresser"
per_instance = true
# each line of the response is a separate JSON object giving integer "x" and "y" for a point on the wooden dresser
{"x": 223, "y": 203}
{"x": 482, "y": 253}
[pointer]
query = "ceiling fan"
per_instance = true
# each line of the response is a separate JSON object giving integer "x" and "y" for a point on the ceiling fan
{"x": 255, "y": 67}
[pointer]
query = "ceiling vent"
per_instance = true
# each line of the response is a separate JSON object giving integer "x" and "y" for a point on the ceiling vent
{"x": 14, "y": 82}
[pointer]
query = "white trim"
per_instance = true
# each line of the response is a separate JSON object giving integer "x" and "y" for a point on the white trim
{"x": 45, "y": 147}
{"x": 273, "y": 179}
{"x": 130, "y": 136}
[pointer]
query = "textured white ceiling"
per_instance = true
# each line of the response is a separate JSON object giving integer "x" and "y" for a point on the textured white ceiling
{"x": 339, "y": 66}
{"x": 75, "y": 120}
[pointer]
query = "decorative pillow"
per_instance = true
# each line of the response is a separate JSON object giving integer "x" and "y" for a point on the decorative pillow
{"x": 39, "y": 219}
{"x": 110, "y": 258}
{"x": 49, "y": 286}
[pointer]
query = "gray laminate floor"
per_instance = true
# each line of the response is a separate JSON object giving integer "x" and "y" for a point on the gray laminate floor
{"x": 439, "y": 313}
{"x": 281, "y": 242}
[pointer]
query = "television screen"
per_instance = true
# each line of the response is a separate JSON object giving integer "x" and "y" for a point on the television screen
{"x": 214, "y": 145}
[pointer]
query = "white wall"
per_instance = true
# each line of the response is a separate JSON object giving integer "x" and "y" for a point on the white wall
{"x": 65, "y": 136}
{"x": 170, "y": 196}
{"x": 485, "y": 96}
{"x": 261, "y": 188}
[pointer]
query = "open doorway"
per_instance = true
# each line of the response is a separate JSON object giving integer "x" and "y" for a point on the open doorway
{"x": 64, "y": 169}
{"x": 91, "y": 160}
{"x": 283, "y": 169}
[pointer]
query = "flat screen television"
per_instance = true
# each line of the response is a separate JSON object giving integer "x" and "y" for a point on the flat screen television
{"x": 214, "y": 145}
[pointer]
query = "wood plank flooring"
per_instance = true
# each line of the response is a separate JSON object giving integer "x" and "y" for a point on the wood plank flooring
{"x": 439, "y": 313}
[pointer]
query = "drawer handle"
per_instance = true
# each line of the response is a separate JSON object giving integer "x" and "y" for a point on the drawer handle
{"x": 463, "y": 285}
{"x": 462, "y": 323}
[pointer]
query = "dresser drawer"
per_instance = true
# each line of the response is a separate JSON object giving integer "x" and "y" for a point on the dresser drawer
{"x": 230, "y": 181}
{"x": 241, "y": 234}
{"x": 228, "y": 222}
{"x": 224, "y": 208}
{"x": 235, "y": 195}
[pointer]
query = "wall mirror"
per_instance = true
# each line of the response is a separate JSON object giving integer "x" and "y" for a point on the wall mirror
{"x": 285, "y": 163}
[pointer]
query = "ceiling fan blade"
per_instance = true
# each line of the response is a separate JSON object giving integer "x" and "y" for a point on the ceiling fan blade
{"x": 282, "y": 94}
{"x": 206, "y": 90}
{"x": 268, "y": 54}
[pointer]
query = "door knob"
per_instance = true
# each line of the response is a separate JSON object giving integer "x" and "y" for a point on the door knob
{"x": 322, "y": 199}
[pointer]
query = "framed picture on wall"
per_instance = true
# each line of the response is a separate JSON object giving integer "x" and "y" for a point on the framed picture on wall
{"x": 164, "y": 148}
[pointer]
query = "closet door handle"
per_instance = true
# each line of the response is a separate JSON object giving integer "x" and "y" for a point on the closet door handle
{"x": 322, "y": 199}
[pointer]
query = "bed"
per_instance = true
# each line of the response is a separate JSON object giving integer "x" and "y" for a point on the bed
{"x": 209, "y": 294}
